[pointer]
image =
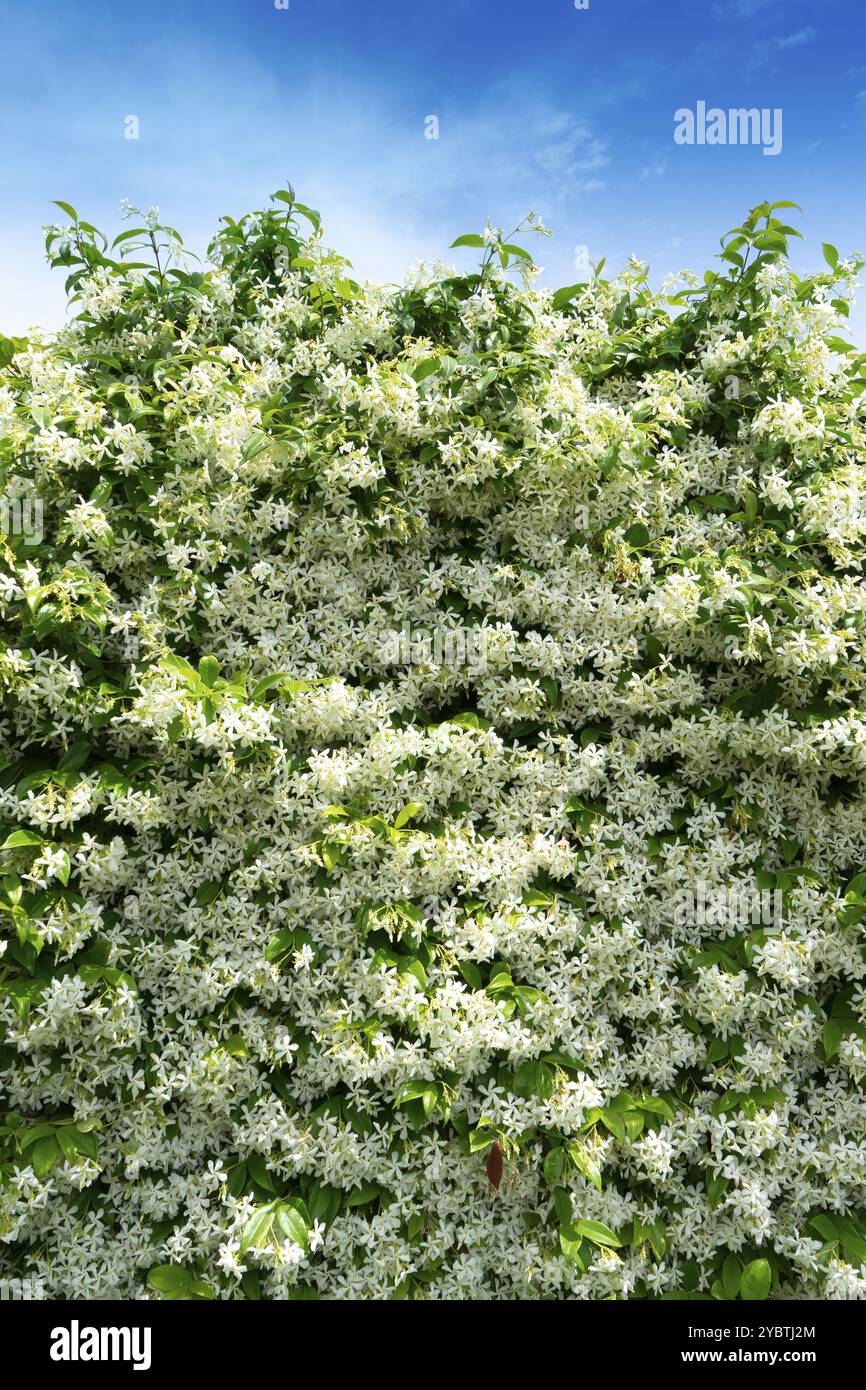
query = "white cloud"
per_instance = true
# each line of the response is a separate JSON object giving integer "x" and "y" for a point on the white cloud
{"x": 742, "y": 9}
{"x": 796, "y": 40}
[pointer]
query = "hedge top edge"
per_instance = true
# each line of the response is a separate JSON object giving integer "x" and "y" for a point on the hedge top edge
{"x": 432, "y": 775}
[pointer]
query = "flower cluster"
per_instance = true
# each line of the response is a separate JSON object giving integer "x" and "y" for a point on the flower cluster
{"x": 330, "y": 974}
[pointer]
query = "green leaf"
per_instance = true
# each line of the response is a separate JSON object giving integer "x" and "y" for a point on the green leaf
{"x": 107, "y": 975}
{"x": 468, "y": 719}
{"x": 571, "y": 1248}
{"x": 514, "y": 250}
{"x": 362, "y": 1195}
{"x": 424, "y": 1091}
{"x": 260, "y": 1172}
{"x": 614, "y": 1122}
{"x": 178, "y": 666}
{"x": 657, "y": 1105}
{"x": 471, "y": 974}
{"x": 826, "y": 1227}
{"x": 713, "y": 502}
{"x": 12, "y": 888}
{"x": 732, "y": 1271}
{"x": 409, "y": 812}
{"x": 173, "y": 1280}
{"x": 481, "y": 1139}
{"x": 209, "y": 669}
{"x": 208, "y": 892}
{"x": 284, "y": 684}
{"x": 22, "y": 839}
{"x": 84, "y": 1143}
{"x": 469, "y": 239}
{"x": 323, "y": 1203}
{"x": 756, "y": 1280}
{"x": 63, "y": 867}
{"x": 554, "y": 1166}
{"x": 566, "y": 294}
{"x": 74, "y": 757}
{"x": 585, "y": 1164}
{"x": 280, "y": 946}
{"x": 562, "y": 1206}
{"x": 45, "y": 1154}
{"x": 258, "y": 1228}
{"x": 129, "y": 234}
{"x": 67, "y": 1143}
{"x": 199, "y": 1289}
{"x": 291, "y": 1224}
{"x": 833, "y": 1035}
{"x": 427, "y": 367}
{"x": 716, "y": 1189}
{"x": 597, "y": 1233}
{"x": 638, "y": 536}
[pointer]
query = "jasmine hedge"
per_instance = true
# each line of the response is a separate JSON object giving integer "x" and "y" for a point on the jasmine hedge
{"x": 434, "y": 777}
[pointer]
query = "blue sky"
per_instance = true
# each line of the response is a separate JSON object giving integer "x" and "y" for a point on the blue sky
{"x": 540, "y": 105}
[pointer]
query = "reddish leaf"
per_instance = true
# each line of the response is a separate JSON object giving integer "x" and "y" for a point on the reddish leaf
{"x": 494, "y": 1165}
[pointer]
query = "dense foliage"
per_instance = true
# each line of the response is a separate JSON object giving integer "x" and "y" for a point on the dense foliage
{"x": 434, "y": 777}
